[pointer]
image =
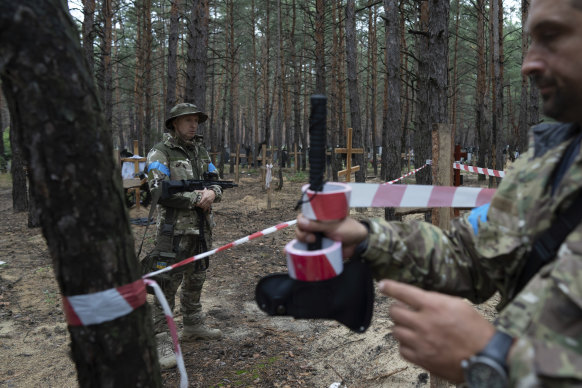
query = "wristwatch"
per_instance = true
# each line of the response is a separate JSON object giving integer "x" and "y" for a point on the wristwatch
{"x": 488, "y": 368}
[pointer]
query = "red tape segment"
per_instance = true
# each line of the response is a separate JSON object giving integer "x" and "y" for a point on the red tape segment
{"x": 104, "y": 306}
{"x": 387, "y": 195}
{"x": 479, "y": 170}
{"x": 329, "y": 204}
{"x": 313, "y": 266}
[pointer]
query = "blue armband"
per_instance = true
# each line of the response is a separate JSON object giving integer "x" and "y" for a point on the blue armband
{"x": 211, "y": 167}
{"x": 478, "y": 214}
{"x": 159, "y": 166}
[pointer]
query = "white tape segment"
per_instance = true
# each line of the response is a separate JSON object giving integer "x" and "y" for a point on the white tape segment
{"x": 312, "y": 266}
{"x": 104, "y": 306}
{"x": 386, "y": 195}
{"x": 479, "y": 170}
{"x": 173, "y": 331}
{"x": 407, "y": 175}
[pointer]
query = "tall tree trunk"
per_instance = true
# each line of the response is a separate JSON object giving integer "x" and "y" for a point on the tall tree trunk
{"x": 374, "y": 86}
{"x": 497, "y": 117}
{"x": 266, "y": 66}
{"x": 481, "y": 129}
{"x": 296, "y": 86}
{"x": 88, "y": 31}
{"x": 352, "y": 65}
{"x": 148, "y": 139}
{"x": 3, "y": 161}
{"x": 230, "y": 66}
{"x": 392, "y": 125}
{"x": 172, "y": 55}
{"x": 139, "y": 65}
{"x": 82, "y": 213}
{"x": 523, "y": 105}
{"x": 422, "y": 134}
{"x": 18, "y": 165}
{"x": 335, "y": 123}
{"x": 197, "y": 54}
{"x": 105, "y": 73}
{"x": 455, "y": 80}
{"x": 320, "y": 47}
{"x": 256, "y": 148}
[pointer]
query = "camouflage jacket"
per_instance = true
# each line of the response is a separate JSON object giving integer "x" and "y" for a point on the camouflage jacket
{"x": 480, "y": 256}
{"x": 174, "y": 159}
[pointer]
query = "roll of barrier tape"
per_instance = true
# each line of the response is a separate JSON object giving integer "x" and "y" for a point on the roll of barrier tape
{"x": 312, "y": 266}
{"x": 330, "y": 204}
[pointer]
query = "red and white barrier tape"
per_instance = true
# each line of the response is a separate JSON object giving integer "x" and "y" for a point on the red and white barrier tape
{"x": 104, "y": 306}
{"x": 330, "y": 204}
{"x": 479, "y": 170}
{"x": 173, "y": 331}
{"x": 407, "y": 175}
{"x": 385, "y": 195}
{"x": 240, "y": 241}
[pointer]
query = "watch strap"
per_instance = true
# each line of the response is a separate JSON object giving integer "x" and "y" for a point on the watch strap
{"x": 498, "y": 348}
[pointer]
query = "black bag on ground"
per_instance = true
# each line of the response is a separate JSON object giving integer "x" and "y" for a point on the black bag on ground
{"x": 347, "y": 298}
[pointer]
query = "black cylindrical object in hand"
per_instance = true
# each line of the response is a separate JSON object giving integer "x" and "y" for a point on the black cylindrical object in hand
{"x": 317, "y": 130}
{"x": 317, "y": 141}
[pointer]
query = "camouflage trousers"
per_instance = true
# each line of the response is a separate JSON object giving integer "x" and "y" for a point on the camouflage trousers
{"x": 191, "y": 279}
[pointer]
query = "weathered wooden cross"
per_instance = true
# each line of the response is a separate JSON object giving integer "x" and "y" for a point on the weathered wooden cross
{"x": 349, "y": 151}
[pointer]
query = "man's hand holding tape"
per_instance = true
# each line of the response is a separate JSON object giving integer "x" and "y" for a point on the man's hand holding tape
{"x": 435, "y": 331}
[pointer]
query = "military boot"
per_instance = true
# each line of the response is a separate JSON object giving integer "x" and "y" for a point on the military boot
{"x": 166, "y": 356}
{"x": 200, "y": 332}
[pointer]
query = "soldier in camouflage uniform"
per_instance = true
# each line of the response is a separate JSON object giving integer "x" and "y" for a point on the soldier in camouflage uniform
{"x": 181, "y": 155}
{"x": 485, "y": 252}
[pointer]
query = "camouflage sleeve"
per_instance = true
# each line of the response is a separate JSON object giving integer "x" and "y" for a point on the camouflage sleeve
{"x": 158, "y": 170}
{"x": 543, "y": 364}
{"x": 218, "y": 192}
{"x": 424, "y": 255}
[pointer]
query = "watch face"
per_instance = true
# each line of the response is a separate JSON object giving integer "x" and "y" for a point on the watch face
{"x": 483, "y": 373}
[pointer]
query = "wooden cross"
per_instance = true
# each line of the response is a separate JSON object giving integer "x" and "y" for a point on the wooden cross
{"x": 135, "y": 183}
{"x": 349, "y": 151}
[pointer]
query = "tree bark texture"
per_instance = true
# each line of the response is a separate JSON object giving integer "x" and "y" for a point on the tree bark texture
{"x": 523, "y": 106}
{"x": 88, "y": 31}
{"x": 392, "y": 117}
{"x": 320, "y": 47}
{"x": 76, "y": 185}
{"x": 148, "y": 138}
{"x": 483, "y": 133}
{"x": 355, "y": 113}
{"x": 17, "y": 167}
{"x": 197, "y": 55}
{"x": 497, "y": 118}
{"x": 172, "y": 56}
{"x": 423, "y": 131}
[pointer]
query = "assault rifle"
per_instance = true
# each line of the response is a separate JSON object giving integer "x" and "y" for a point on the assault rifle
{"x": 172, "y": 187}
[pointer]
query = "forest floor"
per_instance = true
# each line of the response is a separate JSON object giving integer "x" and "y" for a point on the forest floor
{"x": 255, "y": 351}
